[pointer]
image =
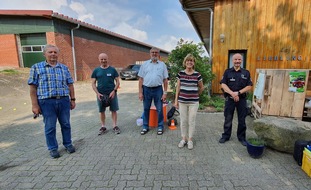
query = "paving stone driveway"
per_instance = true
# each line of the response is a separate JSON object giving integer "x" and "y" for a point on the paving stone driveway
{"x": 129, "y": 160}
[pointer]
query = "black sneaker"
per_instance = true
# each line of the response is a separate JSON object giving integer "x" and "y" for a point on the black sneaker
{"x": 223, "y": 140}
{"x": 116, "y": 130}
{"x": 102, "y": 130}
{"x": 243, "y": 142}
{"x": 144, "y": 131}
{"x": 54, "y": 154}
{"x": 70, "y": 149}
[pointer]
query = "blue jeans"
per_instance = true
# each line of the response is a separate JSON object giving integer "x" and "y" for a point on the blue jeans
{"x": 155, "y": 94}
{"x": 53, "y": 110}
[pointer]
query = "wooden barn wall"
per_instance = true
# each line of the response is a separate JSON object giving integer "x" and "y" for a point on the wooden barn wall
{"x": 275, "y": 33}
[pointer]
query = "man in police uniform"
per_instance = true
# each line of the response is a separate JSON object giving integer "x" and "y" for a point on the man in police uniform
{"x": 235, "y": 82}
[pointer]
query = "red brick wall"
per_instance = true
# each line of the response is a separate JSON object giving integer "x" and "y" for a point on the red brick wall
{"x": 8, "y": 51}
{"x": 87, "y": 56}
{"x": 50, "y": 37}
{"x": 86, "y": 52}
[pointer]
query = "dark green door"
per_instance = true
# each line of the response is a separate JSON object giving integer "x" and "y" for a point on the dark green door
{"x": 32, "y": 48}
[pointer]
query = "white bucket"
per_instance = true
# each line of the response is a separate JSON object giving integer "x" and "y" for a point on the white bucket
{"x": 139, "y": 122}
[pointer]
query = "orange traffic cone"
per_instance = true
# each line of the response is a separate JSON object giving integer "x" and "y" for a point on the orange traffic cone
{"x": 172, "y": 126}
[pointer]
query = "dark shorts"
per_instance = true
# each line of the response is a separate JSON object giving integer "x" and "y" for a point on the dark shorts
{"x": 114, "y": 105}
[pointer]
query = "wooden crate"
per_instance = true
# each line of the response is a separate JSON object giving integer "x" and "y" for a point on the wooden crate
{"x": 277, "y": 100}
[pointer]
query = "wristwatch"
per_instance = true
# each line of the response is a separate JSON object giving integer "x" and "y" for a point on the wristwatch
{"x": 115, "y": 90}
{"x": 239, "y": 93}
{"x": 73, "y": 99}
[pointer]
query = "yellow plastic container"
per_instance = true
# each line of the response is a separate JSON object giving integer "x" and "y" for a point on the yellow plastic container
{"x": 306, "y": 162}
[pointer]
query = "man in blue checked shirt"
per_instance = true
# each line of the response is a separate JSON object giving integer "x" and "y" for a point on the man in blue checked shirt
{"x": 52, "y": 95}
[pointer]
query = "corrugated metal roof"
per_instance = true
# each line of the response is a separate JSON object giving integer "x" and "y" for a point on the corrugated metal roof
{"x": 199, "y": 16}
{"x": 50, "y": 14}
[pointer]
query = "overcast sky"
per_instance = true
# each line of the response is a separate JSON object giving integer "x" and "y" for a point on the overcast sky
{"x": 159, "y": 23}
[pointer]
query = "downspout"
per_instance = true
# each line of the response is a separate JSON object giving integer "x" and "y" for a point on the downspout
{"x": 210, "y": 29}
{"x": 73, "y": 52}
{"x": 210, "y": 38}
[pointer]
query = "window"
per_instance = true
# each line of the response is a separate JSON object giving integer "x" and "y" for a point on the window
{"x": 34, "y": 48}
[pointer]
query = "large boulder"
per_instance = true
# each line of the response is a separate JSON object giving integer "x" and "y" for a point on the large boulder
{"x": 281, "y": 133}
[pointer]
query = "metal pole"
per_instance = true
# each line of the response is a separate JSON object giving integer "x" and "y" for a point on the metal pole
{"x": 73, "y": 52}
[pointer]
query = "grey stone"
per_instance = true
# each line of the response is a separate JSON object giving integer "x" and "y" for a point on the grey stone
{"x": 281, "y": 133}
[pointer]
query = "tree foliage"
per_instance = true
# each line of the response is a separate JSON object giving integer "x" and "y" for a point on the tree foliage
{"x": 175, "y": 62}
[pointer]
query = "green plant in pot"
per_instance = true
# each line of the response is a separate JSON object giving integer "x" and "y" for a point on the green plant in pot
{"x": 255, "y": 147}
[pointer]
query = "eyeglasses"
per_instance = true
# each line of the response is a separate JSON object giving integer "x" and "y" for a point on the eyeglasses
{"x": 154, "y": 52}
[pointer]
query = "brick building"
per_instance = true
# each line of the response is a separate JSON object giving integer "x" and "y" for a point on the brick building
{"x": 23, "y": 34}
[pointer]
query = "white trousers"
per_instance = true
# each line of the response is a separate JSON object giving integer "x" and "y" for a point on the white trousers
{"x": 188, "y": 114}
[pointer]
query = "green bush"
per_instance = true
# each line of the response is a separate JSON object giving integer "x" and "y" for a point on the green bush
{"x": 175, "y": 61}
{"x": 249, "y": 96}
{"x": 256, "y": 141}
{"x": 216, "y": 101}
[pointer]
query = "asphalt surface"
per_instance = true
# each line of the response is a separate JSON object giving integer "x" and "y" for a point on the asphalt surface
{"x": 129, "y": 160}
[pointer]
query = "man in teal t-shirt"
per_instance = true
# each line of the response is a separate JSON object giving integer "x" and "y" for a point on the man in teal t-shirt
{"x": 105, "y": 81}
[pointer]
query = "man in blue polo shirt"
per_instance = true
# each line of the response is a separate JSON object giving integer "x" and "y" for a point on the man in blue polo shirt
{"x": 153, "y": 77}
{"x": 235, "y": 82}
{"x": 51, "y": 85}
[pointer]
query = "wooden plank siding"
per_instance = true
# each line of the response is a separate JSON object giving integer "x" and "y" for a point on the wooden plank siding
{"x": 304, "y": 34}
{"x": 253, "y": 35}
{"x": 278, "y": 32}
{"x": 282, "y": 35}
{"x": 219, "y": 21}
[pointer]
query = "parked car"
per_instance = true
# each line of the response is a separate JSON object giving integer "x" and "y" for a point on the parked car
{"x": 130, "y": 72}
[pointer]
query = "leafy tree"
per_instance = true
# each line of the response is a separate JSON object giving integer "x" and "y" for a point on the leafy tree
{"x": 175, "y": 62}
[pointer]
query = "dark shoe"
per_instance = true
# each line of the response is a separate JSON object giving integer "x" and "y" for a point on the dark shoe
{"x": 243, "y": 142}
{"x": 116, "y": 130}
{"x": 223, "y": 140}
{"x": 160, "y": 131}
{"x": 54, "y": 154}
{"x": 70, "y": 149}
{"x": 144, "y": 131}
{"x": 102, "y": 130}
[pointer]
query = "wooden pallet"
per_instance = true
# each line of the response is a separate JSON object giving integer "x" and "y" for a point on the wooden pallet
{"x": 277, "y": 100}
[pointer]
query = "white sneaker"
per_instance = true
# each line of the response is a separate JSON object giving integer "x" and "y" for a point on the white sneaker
{"x": 190, "y": 145}
{"x": 182, "y": 143}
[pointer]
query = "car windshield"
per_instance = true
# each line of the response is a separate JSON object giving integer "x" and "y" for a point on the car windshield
{"x": 136, "y": 67}
{"x": 130, "y": 66}
{"x": 133, "y": 67}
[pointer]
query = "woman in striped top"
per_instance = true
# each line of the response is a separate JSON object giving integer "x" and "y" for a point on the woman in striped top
{"x": 189, "y": 87}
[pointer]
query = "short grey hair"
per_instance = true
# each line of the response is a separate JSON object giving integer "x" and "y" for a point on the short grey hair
{"x": 154, "y": 49}
{"x": 50, "y": 46}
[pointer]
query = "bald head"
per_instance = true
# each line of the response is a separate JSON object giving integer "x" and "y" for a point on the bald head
{"x": 237, "y": 60}
{"x": 102, "y": 55}
{"x": 237, "y": 56}
{"x": 103, "y": 59}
